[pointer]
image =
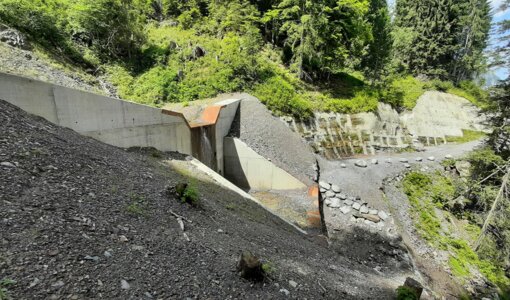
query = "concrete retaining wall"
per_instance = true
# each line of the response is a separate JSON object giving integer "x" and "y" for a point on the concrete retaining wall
{"x": 223, "y": 125}
{"x": 112, "y": 121}
{"x": 245, "y": 168}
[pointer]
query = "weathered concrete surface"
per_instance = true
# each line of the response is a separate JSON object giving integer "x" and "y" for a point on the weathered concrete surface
{"x": 223, "y": 125}
{"x": 112, "y": 121}
{"x": 249, "y": 170}
{"x": 436, "y": 116}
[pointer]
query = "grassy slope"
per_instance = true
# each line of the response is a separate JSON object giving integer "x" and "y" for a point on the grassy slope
{"x": 428, "y": 193}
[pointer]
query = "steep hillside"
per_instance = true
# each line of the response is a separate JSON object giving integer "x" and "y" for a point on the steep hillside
{"x": 81, "y": 219}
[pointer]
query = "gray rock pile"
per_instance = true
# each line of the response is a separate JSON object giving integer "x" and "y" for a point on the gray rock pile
{"x": 353, "y": 207}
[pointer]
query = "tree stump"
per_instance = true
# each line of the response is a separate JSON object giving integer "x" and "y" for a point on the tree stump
{"x": 415, "y": 286}
{"x": 250, "y": 267}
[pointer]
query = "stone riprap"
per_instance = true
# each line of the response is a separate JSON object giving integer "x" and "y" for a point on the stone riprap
{"x": 351, "y": 207}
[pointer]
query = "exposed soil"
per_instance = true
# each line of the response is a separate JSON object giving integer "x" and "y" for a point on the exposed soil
{"x": 83, "y": 220}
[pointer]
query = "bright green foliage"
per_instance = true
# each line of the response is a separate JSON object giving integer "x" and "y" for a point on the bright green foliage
{"x": 467, "y": 136}
{"x": 442, "y": 38}
{"x": 296, "y": 55}
{"x": 280, "y": 95}
{"x": 109, "y": 26}
{"x": 424, "y": 191}
{"x": 376, "y": 58}
{"x": 4, "y": 292}
{"x": 406, "y": 293}
{"x": 191, "y": 194}
{"x": 318, "y": 36}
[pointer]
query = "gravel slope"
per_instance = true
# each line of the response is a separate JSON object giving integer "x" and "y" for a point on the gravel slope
{"x": 66, "y": 231}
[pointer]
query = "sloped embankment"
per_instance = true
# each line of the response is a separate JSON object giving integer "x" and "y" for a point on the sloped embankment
{"x": 81, "y": 219}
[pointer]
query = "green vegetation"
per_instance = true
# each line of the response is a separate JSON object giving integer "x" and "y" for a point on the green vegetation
{"x": 4, "y": 292}
{"x": 137, "y": 206}
{"x": 428, "y": 193}
{"x": 406, "y": 293}
{"x": 297, "y": 56}
{"x": 467, "y": 136}
{"x": 189, "y": 193}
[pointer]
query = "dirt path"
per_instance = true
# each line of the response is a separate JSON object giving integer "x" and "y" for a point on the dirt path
{"x": 365, "y": 182}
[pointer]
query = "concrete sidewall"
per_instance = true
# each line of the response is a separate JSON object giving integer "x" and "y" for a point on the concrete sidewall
{"x": 112, "y": 121}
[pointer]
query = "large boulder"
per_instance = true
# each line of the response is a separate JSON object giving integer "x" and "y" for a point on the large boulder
{"x": 13, "y": 37}
{"x": 463, "y": 168}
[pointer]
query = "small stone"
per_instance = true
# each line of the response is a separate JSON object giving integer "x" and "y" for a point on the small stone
{"x": 419, "y": 159}
{"x": 388, "y": 161}
{"x": 349, "y": 202}
{"x": 107, "y": 253}
{"x": 220, "y": 230}
{"x": 373, "y": 211}
{"x": 448, "y": 156}
{"x": 408, "y": 166}
{"x": 148, "y": 295}
{"x": 356, "y": 206}
{"x": 345, "y": 209}
{"x": 293, "y": 284}
{"x": 431, "y": 158}
{"x": 7, "y": 164}
{"x": 58, "y": 284}
{"x": 375, "y": 161}
{"x": 330, "y": 194}
{"x": 34, "y": 282}
{"x": 335, "y": 188}
{"x": 343, "y": 166}
{"x": 363, "y": 209}
{"x": 322, "y": 190}
{"x": 403, "y": 160}
{"x": 335, "y": 203}
{"x": 93, "y": 258}
{"x": 124, "y": 285}
{"x": 361, "y": 163}
{"x": 383, "y": 215}
{"x": 342, "y": 196}
{"x": 286, "y": 292}
{"x": 123, "y": 238}
{"x": 324, "y": 185}
{"x": 372, "y": 218}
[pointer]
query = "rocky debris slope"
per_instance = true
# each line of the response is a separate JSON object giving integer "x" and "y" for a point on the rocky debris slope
{"x": 83, "y": 220}
{"x": 21, "y": 60}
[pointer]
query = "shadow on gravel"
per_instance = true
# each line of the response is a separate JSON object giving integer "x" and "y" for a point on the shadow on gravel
{"x": 372, "y": 249}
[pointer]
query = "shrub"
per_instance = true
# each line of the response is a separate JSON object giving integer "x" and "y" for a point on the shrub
{"x": 190, "y": 194}
{"x": 406, "y": 293}
{"x": 280, "y": 96}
